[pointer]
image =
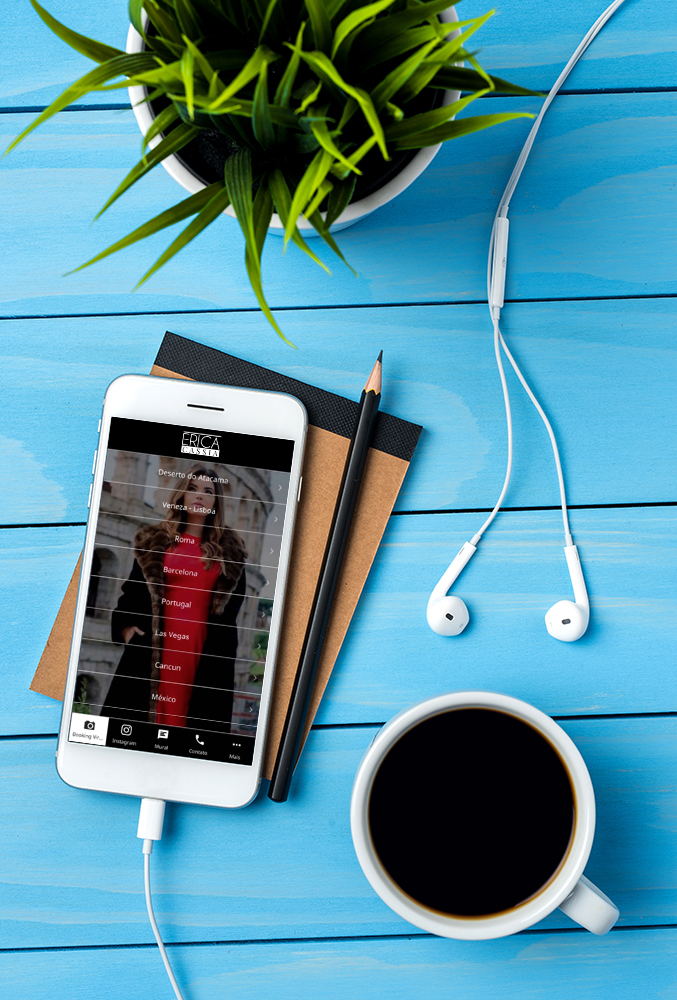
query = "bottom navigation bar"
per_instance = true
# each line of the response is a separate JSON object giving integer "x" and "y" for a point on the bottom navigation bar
{"x": 174, "y": 741}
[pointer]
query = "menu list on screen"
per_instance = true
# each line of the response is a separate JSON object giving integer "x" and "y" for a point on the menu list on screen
{"x": 181, "y": 591}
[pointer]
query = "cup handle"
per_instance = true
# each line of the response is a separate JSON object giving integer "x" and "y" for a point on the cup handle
{"x": 590, "y": 908}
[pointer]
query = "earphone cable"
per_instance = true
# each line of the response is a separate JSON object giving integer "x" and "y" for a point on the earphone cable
{"x": 508, "y": 419}
{"x": 495, "y": 309}
{"x": 526, "y": 149}
{"x": 551, "y": 434}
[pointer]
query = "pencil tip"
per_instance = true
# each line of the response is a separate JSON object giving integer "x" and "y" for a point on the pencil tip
{"x": 374, "y": 380}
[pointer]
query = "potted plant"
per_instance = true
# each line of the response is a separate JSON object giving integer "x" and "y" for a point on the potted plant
{"x": 291, "y": 114}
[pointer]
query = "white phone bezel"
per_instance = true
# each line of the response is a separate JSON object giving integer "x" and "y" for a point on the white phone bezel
{"x": 152, "y": 775}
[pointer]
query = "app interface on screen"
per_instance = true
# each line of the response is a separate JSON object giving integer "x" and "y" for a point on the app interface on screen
{"x": 181, "y": 591}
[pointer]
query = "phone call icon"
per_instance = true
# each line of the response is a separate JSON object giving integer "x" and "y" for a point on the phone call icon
{"x": 201, "y": 742}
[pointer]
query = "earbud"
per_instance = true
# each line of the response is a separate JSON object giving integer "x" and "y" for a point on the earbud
{"x": 448, "y": 615}
{"x": 567, "y": 620}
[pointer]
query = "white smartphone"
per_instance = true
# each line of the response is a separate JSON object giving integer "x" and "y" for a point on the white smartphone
{"x": 177, "y": 622}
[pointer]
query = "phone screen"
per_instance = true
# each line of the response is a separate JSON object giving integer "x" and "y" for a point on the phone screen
{"x": 181, "y": 591}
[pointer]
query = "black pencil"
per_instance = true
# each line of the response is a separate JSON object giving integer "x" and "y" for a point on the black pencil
{"x": 324, "y": 595}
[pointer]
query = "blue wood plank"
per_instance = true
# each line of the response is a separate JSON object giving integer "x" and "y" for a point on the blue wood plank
{"x": 286, "y": 872}
{"x": 37, "y": 564}
{"x": 624, "y": 663}
{"x": 606, "y": 372}
{"x": 554, "y": 967}
{"x": 527, "y": 42}
{"x": 601, "y": 178}
{"x": 530, "y": 42}
{"x": 37, "y": 66}
{"x": 621, "y": 966}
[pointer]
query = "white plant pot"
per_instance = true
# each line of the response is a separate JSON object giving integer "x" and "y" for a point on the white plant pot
{"x": 353, "y": 213}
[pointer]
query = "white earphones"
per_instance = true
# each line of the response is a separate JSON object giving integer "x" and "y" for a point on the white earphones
{"x": 566, "y": 620}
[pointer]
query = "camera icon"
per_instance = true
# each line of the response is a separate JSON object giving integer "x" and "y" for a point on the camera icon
{"x": 126, "y": 730}
{"x": 89, "y": 724}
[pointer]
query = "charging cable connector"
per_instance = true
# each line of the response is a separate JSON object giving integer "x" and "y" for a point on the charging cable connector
{"x": 151, "y": 818}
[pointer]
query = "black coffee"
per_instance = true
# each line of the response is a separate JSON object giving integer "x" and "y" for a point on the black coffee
{"x": 471, "y": 812}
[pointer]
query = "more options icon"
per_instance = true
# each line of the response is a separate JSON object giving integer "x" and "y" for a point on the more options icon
{"x": 163, "y": 734}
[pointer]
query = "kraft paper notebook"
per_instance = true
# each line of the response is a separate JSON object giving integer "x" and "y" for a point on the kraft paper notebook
{"x": 331, "y": 420}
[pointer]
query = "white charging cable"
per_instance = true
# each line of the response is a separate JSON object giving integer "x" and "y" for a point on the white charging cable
{"x": 151, "y": 818}
{"x": 496, "y": 271}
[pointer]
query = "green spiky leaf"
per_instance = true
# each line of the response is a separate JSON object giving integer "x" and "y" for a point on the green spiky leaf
{"x": 321, "y": 133}
{"x": 398, "y": 77}
{"x": 320, "y": 226}
{"x": 94, "y": 80}
{"x": 262, "y": 214}
{"x": 357, "y": 19}
{"x": 460, "y": 78}
{"x": 405, "y": 42}
{"x": 266, "y": 19}
{"x": 159, "y": 125}
{"x": 262, "y": 122}
{"x": 452, "y": 130}
{"x": 189, "y": 206}
{"x": 430, "y": 119}
{"x": 385, "y": 29}
{"x": 326, "y": 70}
{"x": 172, "y": 143}
{"x": 339, "y": 199}
{"x": 310, "y": 182}
{"x": 216, "y": 205}
{"x": 444, "y": 54}
{"x": 96, "y": 51}
{"x": 187, "y": 67}
{"x": 187, "y": 19}
{"x": 135, "y": 10}
{"x": 167, "y": 27}
{"x": 323, "y": 190}
{"x": 249, "y": 72}
{"x": 320, "y": 24}
{"x": 239, "y": 185}
{"x": 286, "y": 85}
{"x": 282, "y": 198}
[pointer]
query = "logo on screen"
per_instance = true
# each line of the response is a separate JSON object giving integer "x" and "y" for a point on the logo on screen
{"x": 193, "y": 443}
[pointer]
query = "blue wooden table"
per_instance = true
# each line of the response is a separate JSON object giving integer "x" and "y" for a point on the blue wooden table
{"x": 270, "y": 902}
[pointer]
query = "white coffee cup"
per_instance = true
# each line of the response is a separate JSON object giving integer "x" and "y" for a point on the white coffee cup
{"x": 567, "y": 888}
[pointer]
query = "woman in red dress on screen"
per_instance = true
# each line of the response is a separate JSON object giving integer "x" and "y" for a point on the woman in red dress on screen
{"x": 177, "y": 613}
